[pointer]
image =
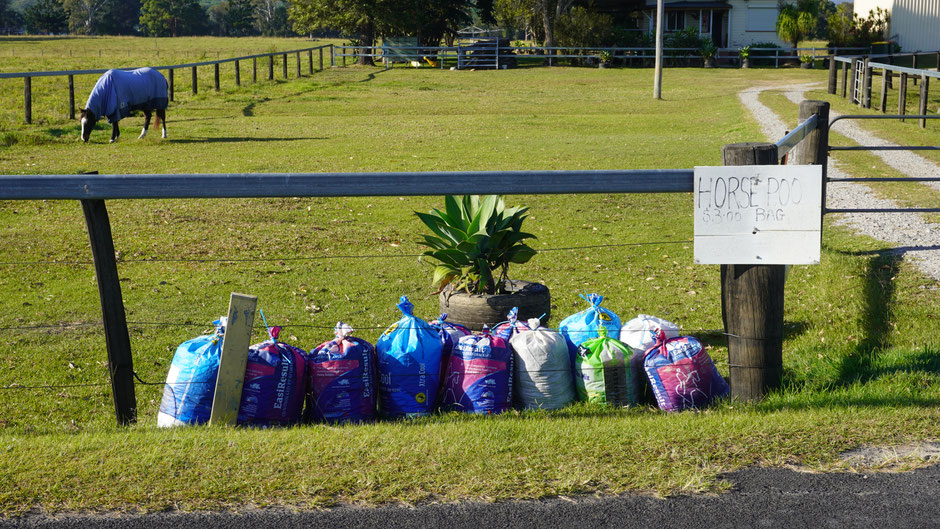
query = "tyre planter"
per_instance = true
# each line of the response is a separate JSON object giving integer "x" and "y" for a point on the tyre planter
{"x": 806, "y": 65}
{"x": 709, "y": 63}
{"x": 745, "y": 63}
{"x": 477, "y": 310}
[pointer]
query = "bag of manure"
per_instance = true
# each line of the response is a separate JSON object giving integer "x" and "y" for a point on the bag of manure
{"x": 408, "y": 357}
{"x": 682, "y": 374}
{"x": 451, "y": 333}
{"x": 479, "y": 375}
{"x": 541, "y": 368}
{"x": 640, "y": 334}
{"x": 341, "y": 383}
{"x": 601, "y": 371}
{"x": 584, "y": 325}
{"x": 274, "y": 387}
{"x": 190, "y": 384}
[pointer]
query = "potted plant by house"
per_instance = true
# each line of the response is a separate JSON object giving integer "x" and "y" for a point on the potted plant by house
{"x": 745, "y": 54}
{"x": 806, "y": 61}
{"x": 604, "y": 59}
{"x": 472, "y": 243}
{"x": 708, "y": 51}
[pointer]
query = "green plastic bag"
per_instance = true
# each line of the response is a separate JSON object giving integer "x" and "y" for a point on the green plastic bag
{"x": 602, "y": 371}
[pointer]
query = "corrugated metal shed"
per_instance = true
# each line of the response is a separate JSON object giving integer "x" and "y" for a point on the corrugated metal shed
{"x": 915, "y": 24}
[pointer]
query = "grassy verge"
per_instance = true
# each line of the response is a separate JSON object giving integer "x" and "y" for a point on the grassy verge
{"x": 861, "y": 361}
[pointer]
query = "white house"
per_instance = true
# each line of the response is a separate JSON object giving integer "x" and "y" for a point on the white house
{"x": 731, "y": 23}
{"x": 915, "y": 24}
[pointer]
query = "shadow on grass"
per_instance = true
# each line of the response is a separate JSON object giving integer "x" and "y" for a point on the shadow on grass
{"x": 239, "y": 140}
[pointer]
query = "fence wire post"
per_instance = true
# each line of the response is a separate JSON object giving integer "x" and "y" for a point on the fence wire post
{"x": 71, "y": 96}
{"x": 883, "y": 102}
{"x": 924, "y": 84}
{"x": 171, "y": 84}
{"x": 238, "y": 74}
{"x": 284, "y": 64}
{"x": 298, "y": 64}
{"x": 216, "y": 73}
{"x": 321, "y": 59}
{"x": 195, "y": 82}
{"x": 271, "y": 67}
{"x": 752, "y": 304}
{"x": 310, "y": 61}
{"x": 254, "y": 69}
{"x": 117, "y": 340}
{"x": 902, "y": 96}
{"x": 28, "y": 99}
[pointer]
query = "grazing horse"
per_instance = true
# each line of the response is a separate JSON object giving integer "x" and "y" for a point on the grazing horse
{"x": 120, "y": 92}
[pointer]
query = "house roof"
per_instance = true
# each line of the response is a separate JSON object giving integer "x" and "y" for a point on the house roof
{"x": 690, "y": 5}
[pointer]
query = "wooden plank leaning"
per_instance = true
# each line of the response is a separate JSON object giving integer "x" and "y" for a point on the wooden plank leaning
{"x": 235, "y": 343}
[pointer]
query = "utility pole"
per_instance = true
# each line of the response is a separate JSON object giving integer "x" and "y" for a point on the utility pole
{"x": 658, "y": 79}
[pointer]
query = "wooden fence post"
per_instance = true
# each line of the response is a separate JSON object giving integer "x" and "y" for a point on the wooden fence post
{"x": 752, "y": 303}
{"x": 883, "y": 102}
{"x": 890, "y": 75}
{"x": 924, "y": 83}
{"x": 854, "y": 66}
{"x": 195, "y": 82}
{"x": 310, "y": 62}
{"x": 171, "y": 84}
{"x": 321, "y": 59}
{"x": 120, "y": 362}
{"x": 298, "y": 64}
{"x": 216, "y": 73}
{"x": 271, "y": 67}
{"x": 235, "y": 343}
{"x": 71, "y": 96}
{"x": 284, "y": 64}
{"x": 902, "y": 96}
{"x": 332, "y": 57}
{"x": 814, "y": 149}
{"x": 832, "y": 74}
{"x": 238, "y": 74}
{"x": 866, "y": 86}
{"x": 28, "y": 99}
{"x": 845, "y": 78}
{"x": 254, "y": 69}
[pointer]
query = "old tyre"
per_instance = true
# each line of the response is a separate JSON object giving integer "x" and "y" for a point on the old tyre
{"x": 476, "y": 310}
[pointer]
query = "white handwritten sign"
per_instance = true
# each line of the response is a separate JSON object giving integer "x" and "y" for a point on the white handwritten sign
{"x": 758, "y": 214}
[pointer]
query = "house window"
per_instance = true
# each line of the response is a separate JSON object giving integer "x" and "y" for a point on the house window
{"x": 761, "y": 19}
{"x": 675, "y": 20}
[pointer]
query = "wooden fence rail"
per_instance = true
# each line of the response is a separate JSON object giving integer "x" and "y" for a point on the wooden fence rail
{"x": 27, "y": 76}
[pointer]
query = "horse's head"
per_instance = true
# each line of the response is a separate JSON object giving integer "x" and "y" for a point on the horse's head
{"x": 88, "y": 119}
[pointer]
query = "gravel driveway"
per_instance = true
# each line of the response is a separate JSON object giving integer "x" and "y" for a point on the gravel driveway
{"x": 908, "y": 234}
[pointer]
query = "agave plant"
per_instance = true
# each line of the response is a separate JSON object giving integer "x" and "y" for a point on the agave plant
{"x": 474, "y": 240}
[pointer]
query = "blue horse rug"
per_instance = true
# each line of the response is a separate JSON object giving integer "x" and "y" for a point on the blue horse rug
{"x": 119, "y": 92}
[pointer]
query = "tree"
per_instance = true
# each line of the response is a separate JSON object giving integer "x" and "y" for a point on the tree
{"x": 270, "y": 18}
{"x": 550, "y": 11}
{"x": 119, "y": 17}
{"x": 584, "y": 27}
{"x": 796, "y": 22}
{"x": 519, "y": 15}
{"x": 839, "y": 28}
{"x": 85, "y": 16}
{"x": 362, "y": 20}
{"x": 46, "y": 16}
{"x": 161, "y": 18}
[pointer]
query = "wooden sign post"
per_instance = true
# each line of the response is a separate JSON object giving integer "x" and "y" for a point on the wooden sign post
{"x": 235, "y": 343}
{"x": 752, "y": 223}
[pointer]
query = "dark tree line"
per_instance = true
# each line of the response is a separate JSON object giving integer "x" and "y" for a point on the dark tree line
{"x": 163, "y": 18}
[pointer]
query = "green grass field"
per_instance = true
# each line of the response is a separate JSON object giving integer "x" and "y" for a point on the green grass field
{"x": 861, "y": 354}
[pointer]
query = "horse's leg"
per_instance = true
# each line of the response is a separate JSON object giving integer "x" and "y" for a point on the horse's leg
{"x": 115, "y": 132}
{"x": 146, "y": 124}
{"x": 161, "y": 121}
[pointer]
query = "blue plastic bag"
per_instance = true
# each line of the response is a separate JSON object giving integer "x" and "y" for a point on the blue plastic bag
{"x": 408, "y": 357}
{"x": 190, "y": 384}
{"x": 341, "y": 379}
{"x": 275, "y": 378}
{"x": 583, "y": 326}
{"x": 479, "y": 375}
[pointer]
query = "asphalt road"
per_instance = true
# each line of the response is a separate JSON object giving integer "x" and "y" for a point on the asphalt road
{"x": 761, "y": 498}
